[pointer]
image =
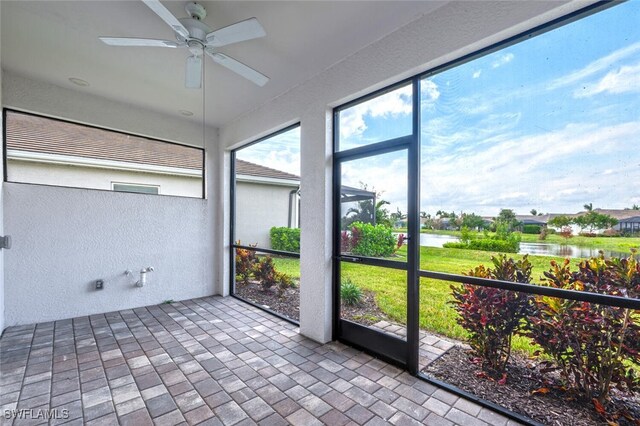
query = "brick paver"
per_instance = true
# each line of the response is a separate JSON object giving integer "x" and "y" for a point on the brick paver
{"x": 212, "y": 361}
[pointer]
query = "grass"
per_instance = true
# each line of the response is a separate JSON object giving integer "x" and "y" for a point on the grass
{"x": 390, "y": 286}
{"x": 436, "y": 315}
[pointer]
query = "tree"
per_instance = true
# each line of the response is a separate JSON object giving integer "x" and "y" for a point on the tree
{"x": 472, "y": 221}
{"x": 364, "y": 211}
{"x": 595, "y": 221}
{"x": 560, "y": 221}
{"x": 533, "y": 212}
{"x": 588, "y": 207}
{"x": 398, "y": 215}
{"x": 508, "y": 218}
{"x": 563, "y": 223}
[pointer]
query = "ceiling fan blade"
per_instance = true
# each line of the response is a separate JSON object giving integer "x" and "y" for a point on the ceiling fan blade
{"x": 234, "y": 33}
{"x": 193, "y": 73}
{"x": 239, "y": 68}
{"x": 146, "y": 42}
{"x": 167, "y": 17}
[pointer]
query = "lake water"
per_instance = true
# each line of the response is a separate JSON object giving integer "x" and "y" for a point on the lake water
{"x": 538, "y": 249}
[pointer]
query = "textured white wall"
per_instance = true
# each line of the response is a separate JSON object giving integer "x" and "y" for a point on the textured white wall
{"x": 450, "y": 32}
{"x": 258, "y": 208}
{"x": 64, "y": 239}
{"x": 97, "y": 178}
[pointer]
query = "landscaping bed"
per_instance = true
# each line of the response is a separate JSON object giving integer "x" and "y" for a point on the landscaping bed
{"x": 366, "y": 312}
{"x": 529, "y": 392}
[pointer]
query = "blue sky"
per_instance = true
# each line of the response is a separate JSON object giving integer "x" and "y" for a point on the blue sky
{"x": 551, "y": 123}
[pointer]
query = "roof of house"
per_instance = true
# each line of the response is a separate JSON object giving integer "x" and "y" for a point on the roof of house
{"x": 618, "y": 214}
{"x": 251, "y": 169}
{"x": 633, "y": 219}
{"x": 31, "y": 133}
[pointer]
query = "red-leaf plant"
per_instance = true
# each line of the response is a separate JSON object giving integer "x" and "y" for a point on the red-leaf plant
{"x": 492, "y": 315}
{"x": 594, "y": 345}
{"x": 245, "y": 262}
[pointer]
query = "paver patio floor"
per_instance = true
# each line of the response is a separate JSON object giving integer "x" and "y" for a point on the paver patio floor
{"x": 210, "y": 361}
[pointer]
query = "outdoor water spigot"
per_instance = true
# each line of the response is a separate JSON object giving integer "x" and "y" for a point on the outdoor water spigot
{"x": 143, "y": 276}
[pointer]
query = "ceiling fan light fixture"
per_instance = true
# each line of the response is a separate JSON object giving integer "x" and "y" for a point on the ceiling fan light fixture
{"x": 193, "y": 74}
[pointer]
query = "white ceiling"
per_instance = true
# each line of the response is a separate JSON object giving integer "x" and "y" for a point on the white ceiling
{"x": 54, "y": 40}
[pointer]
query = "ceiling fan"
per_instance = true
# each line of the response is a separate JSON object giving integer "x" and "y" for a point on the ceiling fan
{"x": 194, "y": 34}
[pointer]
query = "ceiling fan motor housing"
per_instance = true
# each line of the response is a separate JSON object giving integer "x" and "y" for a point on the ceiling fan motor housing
{"x": 198, "y": 30}
{"x": 195, "y": 10}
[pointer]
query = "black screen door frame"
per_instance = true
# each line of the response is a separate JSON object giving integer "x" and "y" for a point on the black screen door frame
{"x": 390, "y": 348}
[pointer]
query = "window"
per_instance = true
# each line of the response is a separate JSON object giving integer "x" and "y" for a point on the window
{"x": 41, "y": 150}
{"x": 132, "y": 187}
{"x": 523, "y": 215}
{"x": 266, "y": 220}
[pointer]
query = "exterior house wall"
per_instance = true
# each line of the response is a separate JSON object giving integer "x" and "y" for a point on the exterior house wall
{"x": 253, "y": 218}
{"x": 99, "y": 178}
{"x": 65, "y": 238}
{"x": 422, "y": 44}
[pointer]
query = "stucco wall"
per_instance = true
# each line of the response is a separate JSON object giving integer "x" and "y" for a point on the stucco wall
{"x": 258, "y": 208}
{"x": 64, "y": 239}
{"x": 455, "y": 29}
{"x": 97, "y": 178}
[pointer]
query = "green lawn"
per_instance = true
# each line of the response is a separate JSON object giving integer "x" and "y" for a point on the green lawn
{"x": 436, "y": 314}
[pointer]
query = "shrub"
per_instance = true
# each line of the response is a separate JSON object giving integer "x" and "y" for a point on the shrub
{"x": 372, "y": 240}
{"x": 350, "y": 293}
{"x": 465, "y": 235}
{"x": 566, "y": 232}
{"x": 531, "y": 229}
{"x": 284, "y": 282}
{"x": 588, "y": 234}
{"x": 503, "y": 241}
{"x": 593, "y": 345}
{"x": 347, "y": 242}
{"x": 245, "y": 262}
{"x": 487, "y": 244}
{"x": 491, "y": 315}
{"x": 265, "y": 272}
{"x": 543, "y": 233}
{"x": 285, "y": 239}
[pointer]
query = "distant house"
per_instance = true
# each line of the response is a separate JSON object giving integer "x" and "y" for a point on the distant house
{"x": 628, "y": 220}
{"x": 265, "y": 197}
{"x": 531, "y": 220}
{"x": 60, "y": 153}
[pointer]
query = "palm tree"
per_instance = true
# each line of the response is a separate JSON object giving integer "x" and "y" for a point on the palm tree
{"x": 588, "y": 207}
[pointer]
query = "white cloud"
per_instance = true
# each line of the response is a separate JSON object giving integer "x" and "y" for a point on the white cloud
{"x": 476, "y": 74}
{"x": 429, "y": 92}
{"x": 595, "y": 66}
{"x": 395, "y": 103}
{"x": 386, "y": 174}
{"x": 281, "y": 152}
{"x": 553, "y": 171}
{"x": 503, "y": 59}
{"x": 624, "y": 79}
